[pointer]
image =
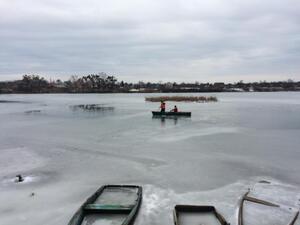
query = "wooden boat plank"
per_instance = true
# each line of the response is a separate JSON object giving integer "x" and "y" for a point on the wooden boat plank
{"x": 259, "y": 201}
{"x": 108, "y": 207}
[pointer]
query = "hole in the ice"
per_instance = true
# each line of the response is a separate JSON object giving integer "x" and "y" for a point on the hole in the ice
{"x": 25, "y": 179}
{"x": 264, "y": 182}
{"x": 22, "y": 179}
{"x": 92, "y": 108}
{"x": 32, "y": 111}
{"x": 11, "y": 101}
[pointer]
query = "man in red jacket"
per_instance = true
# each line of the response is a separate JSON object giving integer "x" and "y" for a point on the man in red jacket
{"x": 162, "y": 106}
{"x": 175, "y": 109}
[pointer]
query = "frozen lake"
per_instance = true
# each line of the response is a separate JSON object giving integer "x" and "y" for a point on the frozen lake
{"x": 66, "y": 149}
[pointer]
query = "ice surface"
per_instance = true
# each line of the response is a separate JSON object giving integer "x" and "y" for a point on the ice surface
{"x": 265, "y": 215}
{"x": 104, "y": 219}
{"x": 117, "y": 196}
{"x": 197, "y": 219}
{"x": 211, "y": 158}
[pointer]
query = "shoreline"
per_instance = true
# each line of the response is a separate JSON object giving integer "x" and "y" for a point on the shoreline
{"x": 141, "y": 92}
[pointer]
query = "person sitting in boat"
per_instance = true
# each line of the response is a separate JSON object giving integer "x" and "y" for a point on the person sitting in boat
{"x": 175, "y": 109}
{"x": 162, "y": 106}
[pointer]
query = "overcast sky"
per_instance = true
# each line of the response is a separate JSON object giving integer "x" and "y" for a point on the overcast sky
{"x": 167, "y": 40}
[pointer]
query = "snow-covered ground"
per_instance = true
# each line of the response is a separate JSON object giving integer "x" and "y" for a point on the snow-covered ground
{"x": 66, "y": 151}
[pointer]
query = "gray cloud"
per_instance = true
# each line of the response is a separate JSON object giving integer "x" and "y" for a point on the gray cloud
{"x": 217, "y": 40}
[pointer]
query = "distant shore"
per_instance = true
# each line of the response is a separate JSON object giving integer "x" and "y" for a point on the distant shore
{"x": 102, "y": 83}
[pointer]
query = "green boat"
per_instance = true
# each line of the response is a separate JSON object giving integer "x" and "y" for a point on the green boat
{"x": 195, "y": 215}
{"x": 110, "y": 205}
{"x": 175, "y": 114}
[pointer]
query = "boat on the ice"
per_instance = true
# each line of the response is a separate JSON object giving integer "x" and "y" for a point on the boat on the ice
{"x": 110, "y": 204}
{"x": 254, "y": 200}
{"x": 246, "y": 197}
{"x": 195, "y": 215}
{"x": 164, "y": 114}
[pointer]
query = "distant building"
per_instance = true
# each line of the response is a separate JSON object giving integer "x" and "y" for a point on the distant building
{"x": 59, "y": 85}
{"x": 134, "y": 90}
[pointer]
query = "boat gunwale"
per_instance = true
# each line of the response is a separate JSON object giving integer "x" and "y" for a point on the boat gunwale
{"x": 294, "y": 218}
{"x": 161, "y": 114}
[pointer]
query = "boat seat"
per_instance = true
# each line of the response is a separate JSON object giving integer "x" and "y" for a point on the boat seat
{"x": 117, "y": 208}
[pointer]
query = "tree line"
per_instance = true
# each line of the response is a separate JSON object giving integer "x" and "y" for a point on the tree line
{"x": 103, "y": 83}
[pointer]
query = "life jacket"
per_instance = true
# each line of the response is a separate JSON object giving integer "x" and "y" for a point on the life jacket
{"x": 175, "y": 110}
{"x": 163, "y": 105}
